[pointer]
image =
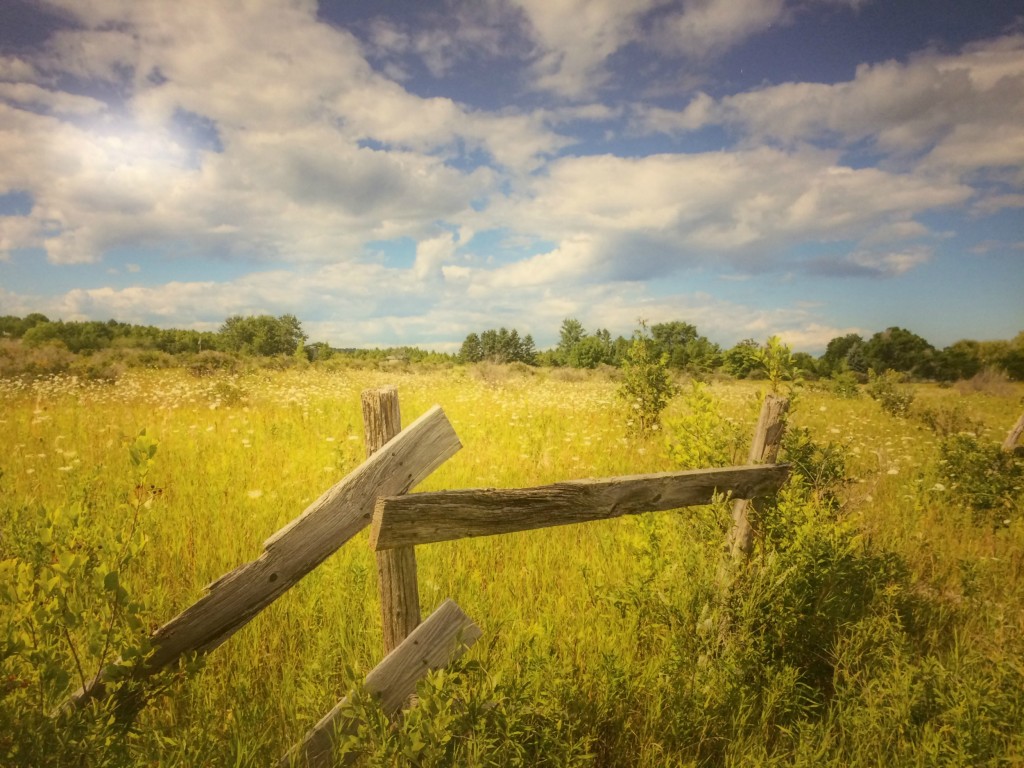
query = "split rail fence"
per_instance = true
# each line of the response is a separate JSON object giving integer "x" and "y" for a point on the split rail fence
{"x": 377, "y": 494}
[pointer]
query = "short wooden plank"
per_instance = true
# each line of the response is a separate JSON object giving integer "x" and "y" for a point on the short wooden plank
{"x": 421, "y": 518}
{"x": 340, "y": 513}
{"x": 441, "y": 639}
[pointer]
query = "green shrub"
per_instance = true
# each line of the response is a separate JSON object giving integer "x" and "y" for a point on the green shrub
{"x": 228, "y": 391}
{"x": 18, "y": 359}
{"x": 817, "y": 467}
{"x": 948, "y": 420}
{"x": 701, "y": 436}
{"x": 845, "y": 385}
{"x": 209, "y": 362}
{"x": 68, "y": 613}
{"x": 646, "y": 386}
{"x": 888, "y": 389}
{"x": 982, "y": 476}
{"x": 103, "y": 366}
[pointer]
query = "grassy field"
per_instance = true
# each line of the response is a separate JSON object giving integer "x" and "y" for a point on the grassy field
{"x": 880, "y": 622}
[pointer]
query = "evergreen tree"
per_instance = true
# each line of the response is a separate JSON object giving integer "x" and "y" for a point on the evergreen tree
{"x": 528, "y": 351}
{"x": 569, "y": 336}
{"x": 472, "y": 350}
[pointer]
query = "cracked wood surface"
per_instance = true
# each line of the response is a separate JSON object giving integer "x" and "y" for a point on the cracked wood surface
{"x": 421, "y": 518}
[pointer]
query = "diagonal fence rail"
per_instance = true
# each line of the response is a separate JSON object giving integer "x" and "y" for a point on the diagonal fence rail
{"x": 341, "y": 512}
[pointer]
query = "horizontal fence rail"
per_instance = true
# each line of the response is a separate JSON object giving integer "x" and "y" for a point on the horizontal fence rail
{"x": 421, "y": 518}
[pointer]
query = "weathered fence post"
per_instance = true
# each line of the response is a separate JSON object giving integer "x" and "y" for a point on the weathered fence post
{"x": 763, "y": 450}
{"x": 1011, "y": 439}
{"x": 396, "y": 568}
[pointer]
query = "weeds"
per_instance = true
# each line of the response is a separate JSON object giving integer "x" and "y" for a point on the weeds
{"x": 877, "y": 623}
{"x": 984, "y": 477}
{"x": 69, "y": 618}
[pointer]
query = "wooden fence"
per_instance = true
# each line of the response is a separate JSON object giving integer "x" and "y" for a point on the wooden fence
{"x": 397, "y": 460}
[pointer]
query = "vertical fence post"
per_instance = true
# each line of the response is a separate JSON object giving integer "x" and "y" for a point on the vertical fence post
{"x": 764, "y": 449}
{"x": 396, "y": 568}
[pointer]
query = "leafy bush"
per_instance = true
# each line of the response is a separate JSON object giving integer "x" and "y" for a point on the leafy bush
{"x": 17, "y": 359}
{"x": 68, "y": 615}
{"x": 228, "y": 391}
{"x": 983, "y": 476}
{"x": 701, "y": 436}
{"x": 777, "y": 362}
{"x": 103, "y": 366}
{"x": 819, "y": 468}
{"x": 887, "y": 388}
{"x": 749, "y": 668}
{"x": 948, "y": 420}
{"x": 209, "y": 362}
{"x": 646, "y": 384}
{"x": 845, "y": 385}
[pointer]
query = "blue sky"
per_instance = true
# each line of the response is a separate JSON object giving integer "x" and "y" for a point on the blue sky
{"x": 409, "y": 172}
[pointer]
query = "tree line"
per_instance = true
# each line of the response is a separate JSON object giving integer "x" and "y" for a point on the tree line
{"x": 683, "y": 348}
{"x": 258, "y": 336}
{"x": 679, "y": 343}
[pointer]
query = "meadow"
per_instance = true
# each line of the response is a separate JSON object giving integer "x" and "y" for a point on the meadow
{"x": 879, "y": 622}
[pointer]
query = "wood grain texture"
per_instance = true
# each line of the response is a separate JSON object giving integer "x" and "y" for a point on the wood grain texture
{"x": 396, "y": 568}
{"x": 764, "y": 449}
{"x": 441, "y": 639}
{"x": 341, "y": 512}
{"x": 382, "y": 417}
{"x": 421, "y": 518}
